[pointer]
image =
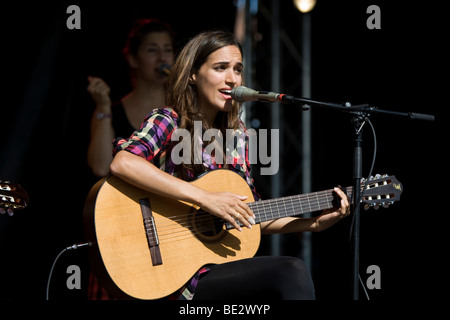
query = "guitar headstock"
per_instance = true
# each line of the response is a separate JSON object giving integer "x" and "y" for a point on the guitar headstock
{"x": 381, "y": 190}
{"x": 12, "y": 196}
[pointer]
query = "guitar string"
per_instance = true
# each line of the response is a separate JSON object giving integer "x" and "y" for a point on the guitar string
{"x": 177, "y": 232}
{"x": 173, "y": 229}
{"x": 187, "y": 230}
{"x": 270, "y": 203}
{"x": 285, "y": 201}
{"x": 289, "y": 208}
{"x": 259, "y": 206}
{"x": 178, "y": 228}
{"x": 184, "y": 233}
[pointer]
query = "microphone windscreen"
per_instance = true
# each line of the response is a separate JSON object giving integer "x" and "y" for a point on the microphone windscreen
{"x": 241, "y": 94}
{"x": 164, "y": 69}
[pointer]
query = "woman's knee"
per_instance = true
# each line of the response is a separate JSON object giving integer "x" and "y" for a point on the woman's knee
{"x": 295, "y": 279}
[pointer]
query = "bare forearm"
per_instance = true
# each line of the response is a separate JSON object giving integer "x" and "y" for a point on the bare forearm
{"x": 295, "y": 224}
{"x": 143, "y": 174}
{"x": 289, "y": 225}
{"x": 99, "y": 155}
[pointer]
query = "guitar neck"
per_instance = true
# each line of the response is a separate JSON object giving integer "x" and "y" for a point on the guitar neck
{"x": 271, "y": 209}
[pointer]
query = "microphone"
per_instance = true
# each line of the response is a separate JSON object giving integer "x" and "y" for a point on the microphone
{"x": 164, "y": 69}
{"x": 243, "y": 94}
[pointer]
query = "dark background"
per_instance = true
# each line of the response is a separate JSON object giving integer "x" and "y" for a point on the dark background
{"x": 46, "y": 111}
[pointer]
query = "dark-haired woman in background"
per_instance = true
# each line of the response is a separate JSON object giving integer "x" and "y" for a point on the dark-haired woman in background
{"x": 149, "y": 52}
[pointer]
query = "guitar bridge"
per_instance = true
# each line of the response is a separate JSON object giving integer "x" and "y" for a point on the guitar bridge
{"x": 150, "y": 232}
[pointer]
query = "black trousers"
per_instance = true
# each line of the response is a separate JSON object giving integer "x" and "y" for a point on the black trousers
{"x": 275, "y": 278}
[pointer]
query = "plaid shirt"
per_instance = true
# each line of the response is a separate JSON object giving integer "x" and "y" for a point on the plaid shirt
{"x": 153, "y": 142}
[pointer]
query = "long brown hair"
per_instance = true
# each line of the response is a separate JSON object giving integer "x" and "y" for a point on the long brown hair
{"x": 182, "y": 96}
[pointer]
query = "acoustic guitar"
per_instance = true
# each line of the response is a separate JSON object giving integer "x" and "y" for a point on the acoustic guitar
{"x": 149, "y": 246}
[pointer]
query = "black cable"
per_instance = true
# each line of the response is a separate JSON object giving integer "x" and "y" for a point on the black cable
{"x": 72, "y": 247}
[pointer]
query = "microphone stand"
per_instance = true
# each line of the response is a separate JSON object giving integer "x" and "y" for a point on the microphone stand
{"x": 360, "y": 112}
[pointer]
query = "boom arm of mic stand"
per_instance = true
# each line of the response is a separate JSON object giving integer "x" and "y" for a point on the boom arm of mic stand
{"x": 303, "y": 101}
{"x": 410, "y": 115}
{"x": 357, "y": 108}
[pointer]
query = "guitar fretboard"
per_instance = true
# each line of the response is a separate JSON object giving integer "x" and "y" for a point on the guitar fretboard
{"x": 271, "y": 209}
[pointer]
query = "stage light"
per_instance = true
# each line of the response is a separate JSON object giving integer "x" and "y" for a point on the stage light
{"x": 304, "y": 5}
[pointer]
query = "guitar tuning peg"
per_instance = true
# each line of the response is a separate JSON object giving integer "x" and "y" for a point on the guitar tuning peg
{"x": 385, "y": 175}
{"x": 366, "y": 207}
{"x": 376, "y": 207}
{"x": 377, "y": 176}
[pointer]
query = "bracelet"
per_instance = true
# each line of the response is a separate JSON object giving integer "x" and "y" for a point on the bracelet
{"x": 101, "y": 115}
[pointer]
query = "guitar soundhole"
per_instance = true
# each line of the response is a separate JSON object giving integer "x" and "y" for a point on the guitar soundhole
{"x": 207, "y": 227}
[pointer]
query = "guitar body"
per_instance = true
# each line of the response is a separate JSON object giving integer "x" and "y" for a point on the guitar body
{"x": 153, "y": 264}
